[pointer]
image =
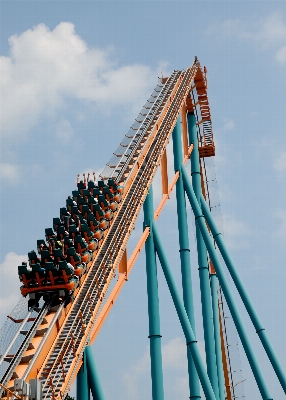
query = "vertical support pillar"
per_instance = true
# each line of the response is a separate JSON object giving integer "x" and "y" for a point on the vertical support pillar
{"x": 153, "y": 303}
{"x": 93, "y": 378}
{"x": 217, "y": 337}
{"x": 82, "y": 385}
{"x": 183, "y": 317}
{"x": 203, "y": 263}
{"x": 185, "y": 255}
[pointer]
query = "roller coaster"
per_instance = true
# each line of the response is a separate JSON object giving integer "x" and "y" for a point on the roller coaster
{"x": 70, "y": 287}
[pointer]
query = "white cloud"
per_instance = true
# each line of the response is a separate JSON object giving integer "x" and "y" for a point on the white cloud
{"x": 228, "y": 125}
{"x": 174, "y": 359}
{"x": 280, "y": 163}
{"x": 9, "y": 283}
{"x": 64, "y": 131}
{"x": 236, "y": 232}
{"x": 174, "y": 354}
{"x": 280, "y": 232}
{"x": 47, "y": 67}
{"x": 267, "y": 32}
{"x": 281, "y": 55}
{"x": 9, "y": 173}
{"x": 132, "y": 376}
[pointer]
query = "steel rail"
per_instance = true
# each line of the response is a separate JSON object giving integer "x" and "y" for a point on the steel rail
{"x": 15, "y": 337}
{"x": 30, "y": 334}
{"x": 43, "y": 341}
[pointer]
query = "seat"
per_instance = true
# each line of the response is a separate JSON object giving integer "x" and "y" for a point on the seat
{"x": 67, "y": 243}
{"x": 81, "y": 246}
{"x": 95, "y": 192}
{"x": 40, "y": 243}
{"x": 66, "y": 221}
{"x": 90, "y": 185}
{"x": 25, "y": 276}
{"x": 91, "y": 203}
{"x": 94, "y": 226}
{"x": 75, "y": 260}
{"x": 107, "y": 193}
{"x": 33, "y": 258}
{"x": 74, "y": 210}
{"x": 80, "y": 202}
{"x": 108, "y": 213}
{"x": 69, "y": 203}
{"x": 101, "y": 184}
{"x": 116, "y": 189}
{"x": 51, "y": 272}
{"x": 110, "y": 198}
{"x": 40, "y": 274}
{"x": 58, "y": 255}
{"x": 49, "y": 233}
{"x": 81, "y": 187}
{"x": 86, "y": 193}
{"x": 65, "y": 272}
{"x": 56, "y": 223}
{"x": 72, "y": 231}
{"x": 60, "y": 232}
{"x": 63, "y": 212}
{"x": 75, "y": 194}
{"x": 89, "y": 237}
{"x": 45, "y": 257}
{"x": 100, "y": 216}
{"x": 103, "y": 202}
{"x": 85, "y": 211}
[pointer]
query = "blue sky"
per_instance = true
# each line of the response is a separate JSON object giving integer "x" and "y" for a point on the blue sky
{"x": 74, "y": 76}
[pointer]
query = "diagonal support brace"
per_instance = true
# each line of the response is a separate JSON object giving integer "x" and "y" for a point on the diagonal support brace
{"x": 244, "y": 295}
{"x": 200, "y": 221}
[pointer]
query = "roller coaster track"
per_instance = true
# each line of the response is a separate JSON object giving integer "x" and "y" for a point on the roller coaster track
{"x": 57, "y": 358}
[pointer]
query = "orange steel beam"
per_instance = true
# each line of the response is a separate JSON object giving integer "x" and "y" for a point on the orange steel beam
{"x": 185, "y": 129}
{"x": 118, "y": 286}
{"x": 122, "y": 268}
{"x": 224, "y": 361}
{"x": 164, "y": 173}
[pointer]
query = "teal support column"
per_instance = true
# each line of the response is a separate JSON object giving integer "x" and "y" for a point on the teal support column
{"x": 221, "y": 386}
{"x": 244, "y": 296}
{"x": 93, "y": 378}
{"x": 194, "y": 386}
{"x": 225, "y": 288}
{"x": 153, "y": 303}
{"x": 203, "y": 263}
{"x": 82, "y": 385}
{"x": 183, "y": 317}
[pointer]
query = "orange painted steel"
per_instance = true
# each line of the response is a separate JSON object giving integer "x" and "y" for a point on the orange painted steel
{"x": 224, "y": 361}
{"x": 164, "y": 173}
{"x": 10, "y": 394}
